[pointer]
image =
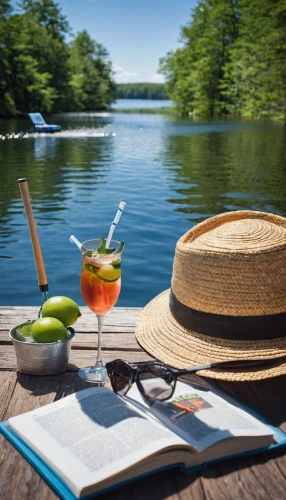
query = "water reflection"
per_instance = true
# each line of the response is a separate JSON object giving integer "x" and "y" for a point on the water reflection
{"x": 217, "y": 172}
{"x": 56, "y": 169}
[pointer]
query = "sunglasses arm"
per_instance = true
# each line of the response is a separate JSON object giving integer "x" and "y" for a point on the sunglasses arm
{"x": 193, "y": 369}
{"x": 142, "y": 363}
{"x": 235, "y": 365}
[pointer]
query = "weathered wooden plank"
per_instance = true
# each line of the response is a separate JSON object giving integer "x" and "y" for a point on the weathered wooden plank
{"x": 255, "y": 477}
{"x": 189, "y": 486}
{"x": 4, "y": 337}
{"x": 155, "y": 487}
{"x": 81, "y": 328}
{"x": 78, "y": 357}
{"x": 265, "y": 397}
{"x": 33, "y": 392}
{"x": 118, "y": 321}
{"x": 11, "y": 463}
{"x": 123, "y": 341}
{"x": 110, "y": 341}
{"x": 8, "y": 381}
{"x": 18, "y": 479}
{"x": 11, "y": 316}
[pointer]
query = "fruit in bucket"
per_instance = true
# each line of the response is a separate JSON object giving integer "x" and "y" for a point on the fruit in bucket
{"x": 58, "y": 313}
{"x": 48, "y": 330}
{"x": 62, "y": 308}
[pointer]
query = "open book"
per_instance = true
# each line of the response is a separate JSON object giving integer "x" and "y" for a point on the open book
{"x": 94, "y": 439}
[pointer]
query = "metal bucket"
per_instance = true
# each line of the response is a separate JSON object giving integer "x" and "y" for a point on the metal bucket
{"x": 42, "y": 359}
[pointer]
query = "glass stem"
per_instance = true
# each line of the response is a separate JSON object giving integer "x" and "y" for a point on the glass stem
{"x": 99, "y": 358}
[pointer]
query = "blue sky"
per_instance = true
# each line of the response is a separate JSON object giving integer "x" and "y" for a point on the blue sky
{"x": 135, "y": 32}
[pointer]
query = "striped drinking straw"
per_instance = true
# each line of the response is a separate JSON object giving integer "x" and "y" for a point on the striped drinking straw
{"x": 115, "y": 222}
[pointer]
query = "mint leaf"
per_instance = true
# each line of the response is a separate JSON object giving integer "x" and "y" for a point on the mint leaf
{"x": 102, "y": 247}
{"x": 116, "y": 264}
{"x": 102, "y": 250}
{"x": 120, "y": 248}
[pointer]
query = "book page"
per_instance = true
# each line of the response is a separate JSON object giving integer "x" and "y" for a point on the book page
{"x": 91, "y": 435}
{"x": 202, "y": 417}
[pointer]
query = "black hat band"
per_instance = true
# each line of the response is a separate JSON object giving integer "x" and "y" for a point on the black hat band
{"x": 228, "y": 327}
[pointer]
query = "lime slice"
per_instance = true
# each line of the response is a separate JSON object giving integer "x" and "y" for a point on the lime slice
{"x": 68, "y": 333}
{"x": 91, "y": 269}
{"x": 108, "y": 273}
{"x": 25, "y": 329}
{"x": 24, "y": 332}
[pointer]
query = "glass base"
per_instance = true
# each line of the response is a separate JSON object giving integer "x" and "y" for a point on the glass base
{"x": 94, "y": 374}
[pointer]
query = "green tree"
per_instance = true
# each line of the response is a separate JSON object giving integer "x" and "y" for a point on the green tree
{"x": 255, "y": 76}
{"x": 40, "y": 71}
{"x": 193, "y": 72}
{"x": 34, "y": 58}
{"x": 43, "y": 36}
{"x": 7, "y": 102}
{"x": 233, "y": 59}
{"x": 91, "y": 74}
{"x": 31, "y": 83}
{"x": 176, "y": 66}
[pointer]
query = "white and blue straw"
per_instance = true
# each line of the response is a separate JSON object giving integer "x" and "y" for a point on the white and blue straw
{"x": 115, "y": 222}
{"x": 74, "y": 240}
{"x": 122, "y": 204}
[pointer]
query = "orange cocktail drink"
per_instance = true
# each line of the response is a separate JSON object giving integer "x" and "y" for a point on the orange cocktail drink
{"x": 100, "y": 282}
{"x": 100, "y": 285}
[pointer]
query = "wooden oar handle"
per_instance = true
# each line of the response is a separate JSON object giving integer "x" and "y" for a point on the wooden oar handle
{"x": 42, "y": 278}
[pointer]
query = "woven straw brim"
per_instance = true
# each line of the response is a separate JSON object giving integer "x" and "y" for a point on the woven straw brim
{"x": 164, "y": 338}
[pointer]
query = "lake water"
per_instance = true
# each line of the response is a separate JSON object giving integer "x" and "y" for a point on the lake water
{"x": 172, "y": 174}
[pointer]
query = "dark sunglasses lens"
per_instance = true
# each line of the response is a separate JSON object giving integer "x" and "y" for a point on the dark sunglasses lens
{"x": 156, "y": 381}
{"x": 120, "y": 377}
{"x": 109, "y": 369}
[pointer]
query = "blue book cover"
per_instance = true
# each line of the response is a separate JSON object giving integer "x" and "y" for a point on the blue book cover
{"x": 63, "y": 491}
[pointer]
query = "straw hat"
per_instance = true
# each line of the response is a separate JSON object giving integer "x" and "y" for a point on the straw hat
{"x": 227, "y": 298}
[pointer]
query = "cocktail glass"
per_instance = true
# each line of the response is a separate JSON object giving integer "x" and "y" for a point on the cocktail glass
{"x": 100, "y": 285}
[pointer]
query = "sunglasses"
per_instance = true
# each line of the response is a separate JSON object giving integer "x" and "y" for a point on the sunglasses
{"x": 157, "y": 382}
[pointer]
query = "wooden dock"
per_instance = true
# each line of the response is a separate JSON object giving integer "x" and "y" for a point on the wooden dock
{"x": 258, "y": 477}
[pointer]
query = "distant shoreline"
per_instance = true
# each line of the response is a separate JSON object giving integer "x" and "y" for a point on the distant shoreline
{"x": 142, "y": 110}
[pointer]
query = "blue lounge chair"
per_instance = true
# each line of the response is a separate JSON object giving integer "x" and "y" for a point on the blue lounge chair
{"x": 39, "y": 124}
